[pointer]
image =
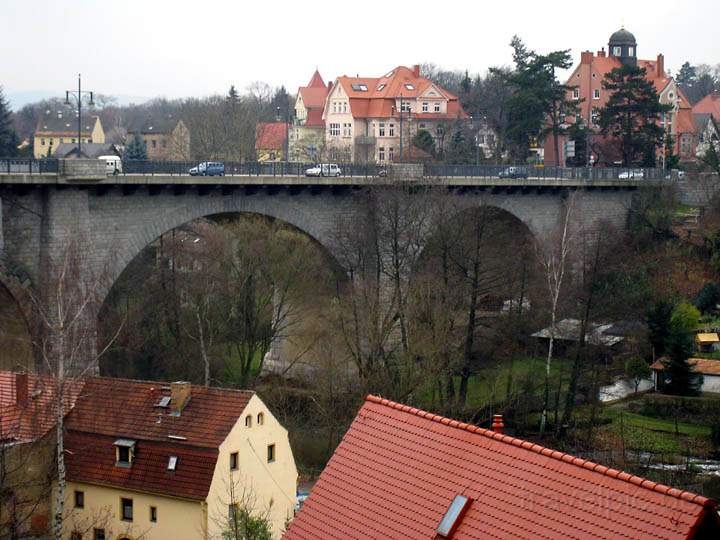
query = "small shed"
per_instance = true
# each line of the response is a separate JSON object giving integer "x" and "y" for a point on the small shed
{"x": 707, "y": 341}
{"x": 709, "y": 369}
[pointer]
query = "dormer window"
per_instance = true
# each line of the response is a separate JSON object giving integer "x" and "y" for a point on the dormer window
{"x": 381, "y": 87}
{"x": 124, "y": 452}
{"x": 409, "y": 86}
{"x": 172, "y": 463}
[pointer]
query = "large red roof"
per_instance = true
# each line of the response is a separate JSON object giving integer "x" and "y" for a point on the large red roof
{"x": 709, "y": 104}
{"x": 397, "y": 470}
{"x": 270, "y": 135}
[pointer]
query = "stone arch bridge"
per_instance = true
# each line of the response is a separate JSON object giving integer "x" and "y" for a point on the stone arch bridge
{"x": 117, "y": 217}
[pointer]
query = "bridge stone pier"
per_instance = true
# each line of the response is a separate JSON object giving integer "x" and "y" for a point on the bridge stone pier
{"x": 113, "y": 219}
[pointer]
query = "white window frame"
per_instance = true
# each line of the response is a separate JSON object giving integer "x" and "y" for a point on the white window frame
{"x": 381, "y": 154}
{"x": 334, "y": 129}
{"x": 576, "y": 92}
{"x": 391, "y": 130}
{"x": 436, "y": 107}
{"x": 596, "y": 93}
{"x": 381, "y": 129}
{"x": 617, "y": 51}
{"x": 425, "y": 107}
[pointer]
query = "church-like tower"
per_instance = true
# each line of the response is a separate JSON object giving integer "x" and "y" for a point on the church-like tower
{"x": 623, "y": 46}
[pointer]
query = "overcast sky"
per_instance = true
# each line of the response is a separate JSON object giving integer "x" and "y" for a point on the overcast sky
{"x": 183, "y": 48}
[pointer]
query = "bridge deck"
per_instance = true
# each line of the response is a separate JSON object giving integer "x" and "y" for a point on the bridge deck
{"x": 269, "y": 180}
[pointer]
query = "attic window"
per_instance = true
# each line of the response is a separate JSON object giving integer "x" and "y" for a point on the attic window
{"x": 389, "y": 74}
{"x": 359, "y": 87}
{"x": 453, "y": 515}
{"x": 124, "y": 452}
{"x": 172, "y": 463}
{"x": 381, "y": 87}
{"x": 164, "y": 402}
{"x": 409, "y": 86}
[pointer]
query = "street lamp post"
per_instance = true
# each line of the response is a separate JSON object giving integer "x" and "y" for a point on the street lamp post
{"x": 79, "y": 95}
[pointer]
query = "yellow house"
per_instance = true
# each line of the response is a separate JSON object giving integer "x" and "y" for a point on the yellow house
{"x": 172, "y": 461}
{"x": 271, "y": 141}
{"x": 707, "y": 341}
{"x": 61, "y": 126}
{"x": 165, "y": 137}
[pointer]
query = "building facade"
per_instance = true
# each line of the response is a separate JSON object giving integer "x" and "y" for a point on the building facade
{"x": 271, "y": 140}
{"x": 165, "y": 137}
{"x": 307, "y": 133}
{"x": 374, "y": 119}
{"x": 61, "y": 126}
{"x": 585, "y": 84}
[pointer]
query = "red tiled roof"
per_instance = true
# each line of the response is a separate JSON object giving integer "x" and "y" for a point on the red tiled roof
{"x": 316, "y": 81}
{"x": 31, "y": 420}
{"x": 313, "y": 98}
{"x": 705, "y": 366}
{"x": 398, "y": 468}
{"x": 314, "y": 118}
{"x": 270, "y": 135}
{"x": 709, "y": 104}
{"x": 90, "y": 458}
{"x": 126, "y": 408}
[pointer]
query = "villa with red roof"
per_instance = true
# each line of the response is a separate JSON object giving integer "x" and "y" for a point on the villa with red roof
{"x": 270, "y": 141}
{"x": 155, "y": 460}
{"x": 375, "y": 118}
{"x": 404, "y": 473}
{"x": 586, "y": 88}
{"x": 307, "y": 135}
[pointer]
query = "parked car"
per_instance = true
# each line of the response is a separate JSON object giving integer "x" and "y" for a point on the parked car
{"x": 513, "y": 172}
{"x": 113, "y": 164}
{"x": 208, "y": 168}
{"x": 632, "y": 173}
{"x": 324, "y": 169}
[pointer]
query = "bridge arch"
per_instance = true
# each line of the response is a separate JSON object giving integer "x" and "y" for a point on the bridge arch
{"x": 16, "y": 325}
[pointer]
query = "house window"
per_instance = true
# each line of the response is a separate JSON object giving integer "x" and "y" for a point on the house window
{"x": 391, "y": 129}
{"x": 576, "y": 93}
{"x": 124, "y": 451}
{"x": 42, "y": 142}
{"x": 381, "y": 153}
{"x": 381, "y": 129}
{"x": 154, "y": 143}
{"x": 347, "y": 130}
{"x": 344, "y": 106}
{"x": 595, "y": 117}
{"x": 334, "y": 106}
{"x": 596, "y": 93}
{"x": 421, "y": 126}
{"x": 631, "y": 51}
{"x": 126, "y": 509}
{"x": 79, "y": 499}
{"x": 425, "y": 106}
{"x": 391, "y": 153}
{"x": 99, "y": 534}
{"x": 437, "y": 107}
{"x": 248, "y": 420}
{"x": 405, "y": 106}
{"x": 260, "y": 419}
{"x": 234, "y": 461}
{"x": 409, "y": 86}
{"x": 334, "y": 130}
{"x": 617, "y": 51}
{"x": 73, "y": 140}
{"x": 153, "y": 514}
{"x": 439, "y": 131}
{"x": 271, "y": 453}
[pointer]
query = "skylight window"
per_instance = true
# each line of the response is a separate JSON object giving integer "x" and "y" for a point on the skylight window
{"x": 381, "y": 87}
{"x": 359, "y": 87}
{"x": 172, "y": 463}
{"x": 409, "y": 86}
{"x": 389, "y": 74}
{"x": 453, "y": 515}
{"x": 164, "y": 402}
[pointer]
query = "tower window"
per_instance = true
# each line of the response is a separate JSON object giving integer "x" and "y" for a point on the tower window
{"x": 631, "y": 51}
{"x": 617, "y": 51}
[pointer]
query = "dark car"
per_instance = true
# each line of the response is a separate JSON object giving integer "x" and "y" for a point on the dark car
{"x": 513, "y": 172}
{"x": 208, "y": 168}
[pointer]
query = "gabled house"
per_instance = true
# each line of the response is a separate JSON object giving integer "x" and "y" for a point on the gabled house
{"x": 709, "y": 369}
{"x": 707, "y": 130}
{"x": 165, "y": 137}
{"x": 585, "y": 84}
{"x": 307, "y": 134}
{"x": 401, "y": 472}
{"x": 376, "y": 118}
{"x": 271, "y": 141}
{"x": 154, "y": 460}
{"x": 61, "y": 126}
{"x": 87, "y": 150}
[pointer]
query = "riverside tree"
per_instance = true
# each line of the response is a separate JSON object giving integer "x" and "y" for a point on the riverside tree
{"x": 8, "y": 137}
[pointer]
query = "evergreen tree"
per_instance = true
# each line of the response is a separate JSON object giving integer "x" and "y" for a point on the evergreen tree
{"x": 8, "y": 137}
{"x": 233, "y": 97}
{"x": 136, "y": 148}
{"x": 687, "y": 76}
{"x": 632, "y": 114}
{"x": 424, "y": 141}
{"x": 672, "y": 160}
{"x": 658, "y": 321}
{"x": 461, "y": 149}
{"x": 679, "y": 376}
{"x": 708, "y": 297}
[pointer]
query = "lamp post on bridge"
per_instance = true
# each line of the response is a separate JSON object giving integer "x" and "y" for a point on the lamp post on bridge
{"x": 79, "y": 95}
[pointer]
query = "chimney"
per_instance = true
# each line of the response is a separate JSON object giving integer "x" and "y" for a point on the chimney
{"x": 601, "y": 53}
{"x": 416, "y": 70}
{"x": 497, "y": 424}
{"x": 21, "y": 388}
{"x": 586, "y": 57}
{"x": 660, "y": 65}
{"x": 180, "y": 393}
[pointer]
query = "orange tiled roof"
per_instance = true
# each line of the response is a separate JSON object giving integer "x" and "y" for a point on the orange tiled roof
{"x": 31, "y": 420}
{"x": 709, "y": 104}
{"x": 700, "y": 365}
{"x": 314, "y": 118}
{"x": 314, "y": 94}
{"x": 270, "y": 135}
{"x": 398, "y": 468}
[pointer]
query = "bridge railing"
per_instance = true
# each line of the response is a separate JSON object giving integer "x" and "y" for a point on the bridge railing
{"x": 28, "y": 165}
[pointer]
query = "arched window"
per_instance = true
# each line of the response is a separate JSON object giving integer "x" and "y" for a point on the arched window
{"x": 260, "y": 419}
{"x": 248, "y": 420}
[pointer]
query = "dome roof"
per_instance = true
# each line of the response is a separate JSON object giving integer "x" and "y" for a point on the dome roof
{"x": 622, "y": 37}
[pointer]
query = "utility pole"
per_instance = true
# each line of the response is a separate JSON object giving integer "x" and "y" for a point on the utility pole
{"x": 79, "y": 95}
{"x": 401, "y": 130}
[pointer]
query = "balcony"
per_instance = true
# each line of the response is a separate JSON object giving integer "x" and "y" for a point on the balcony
{"x": 365, "y": 140}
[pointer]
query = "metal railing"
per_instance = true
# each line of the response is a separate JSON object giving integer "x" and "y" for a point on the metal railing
{"x": 28, "y": 165}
